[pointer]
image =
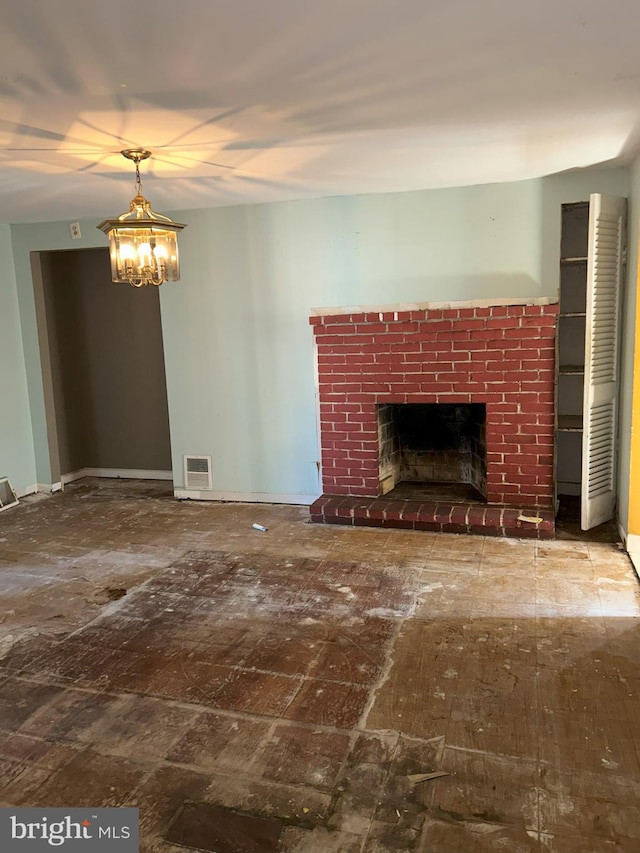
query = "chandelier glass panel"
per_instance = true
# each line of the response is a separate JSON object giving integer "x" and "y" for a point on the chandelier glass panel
{"x": 143, "y": 244}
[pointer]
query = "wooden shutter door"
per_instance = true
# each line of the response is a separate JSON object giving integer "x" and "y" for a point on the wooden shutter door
{"x": 602, "y": 333}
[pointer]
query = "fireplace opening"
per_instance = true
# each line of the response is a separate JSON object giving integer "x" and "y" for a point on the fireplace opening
{"x": 433, "y": 449}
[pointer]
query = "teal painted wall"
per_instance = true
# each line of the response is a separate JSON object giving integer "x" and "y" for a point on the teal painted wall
{"x": 16, "y": 445}
{"x": 239, "y": 350}
{"x": 238, "y": 347}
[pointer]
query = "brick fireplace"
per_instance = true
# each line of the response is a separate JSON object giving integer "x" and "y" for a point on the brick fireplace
{"x": 495, "y": 359}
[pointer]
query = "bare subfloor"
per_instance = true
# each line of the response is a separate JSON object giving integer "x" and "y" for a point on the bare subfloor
{"x": 168, "y": 656}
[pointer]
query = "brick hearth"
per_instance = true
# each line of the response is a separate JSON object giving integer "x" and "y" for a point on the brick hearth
{"x": 501, "y": 355}
{"x": 438, "y": 516}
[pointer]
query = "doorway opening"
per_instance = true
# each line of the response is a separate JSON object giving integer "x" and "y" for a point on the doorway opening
{"x": 103, "y": 370}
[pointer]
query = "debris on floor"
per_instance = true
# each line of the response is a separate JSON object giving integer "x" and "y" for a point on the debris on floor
{"x": 307, "y": 687}
{"x": 115, "y": 593}
{"x": 414, "y": 778}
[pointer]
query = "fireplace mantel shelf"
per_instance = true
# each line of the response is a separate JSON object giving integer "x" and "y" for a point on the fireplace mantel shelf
{"x": 428, "y": 306}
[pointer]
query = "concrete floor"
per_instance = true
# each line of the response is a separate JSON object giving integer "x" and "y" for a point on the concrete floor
{"x": 167, "y": 656}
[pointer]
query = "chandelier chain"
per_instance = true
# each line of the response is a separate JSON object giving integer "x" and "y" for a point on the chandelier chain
{"x": 138, "y": 181}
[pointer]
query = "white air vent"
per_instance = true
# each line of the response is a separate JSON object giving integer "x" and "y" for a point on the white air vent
{"x": 8, "y": 497}
{"x": 197, "y": 473}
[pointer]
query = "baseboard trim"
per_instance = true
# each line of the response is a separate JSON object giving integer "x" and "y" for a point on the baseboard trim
{"x": 117, "y": 473}
{"x": 244, "y": 497}
{"x": 39, "y": 488}
{"x": 73, "y": 475}
{"x": 633, "y": 543}
{"x": 31, "y": 490}
{"x": 623, "y": 534}
{"x": 633, "y": 549}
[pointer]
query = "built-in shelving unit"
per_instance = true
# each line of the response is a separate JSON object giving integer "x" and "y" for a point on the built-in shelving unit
{"x": 571, "y": 346}
{"x": 570, "y": 423}
{"x": 591, "y": 271}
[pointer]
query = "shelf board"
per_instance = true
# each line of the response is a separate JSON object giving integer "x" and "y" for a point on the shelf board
{"x": 570, "y": 423}
{"x": 571, "y": 369}
{"x": 573, "y": 260}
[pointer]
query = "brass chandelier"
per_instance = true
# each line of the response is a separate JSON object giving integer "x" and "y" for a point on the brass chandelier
{"x": 143, "y": 244}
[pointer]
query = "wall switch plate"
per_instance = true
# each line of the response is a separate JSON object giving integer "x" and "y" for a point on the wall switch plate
{"x": 74, "y": 228}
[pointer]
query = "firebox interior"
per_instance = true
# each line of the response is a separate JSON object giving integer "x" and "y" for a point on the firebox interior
{"x": 426, "y": 446}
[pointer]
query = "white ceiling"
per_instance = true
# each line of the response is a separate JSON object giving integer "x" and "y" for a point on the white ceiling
{"x": 263, "y": 100}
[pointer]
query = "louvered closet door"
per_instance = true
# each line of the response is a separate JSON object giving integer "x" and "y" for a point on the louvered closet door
{"x": 604, "y": 277}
